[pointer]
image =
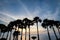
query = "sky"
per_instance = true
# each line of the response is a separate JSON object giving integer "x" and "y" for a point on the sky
{"x": 11, "y": 10}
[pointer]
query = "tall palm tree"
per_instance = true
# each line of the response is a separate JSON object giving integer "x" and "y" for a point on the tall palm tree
{"x": 28, "y": 23}
{"x": 8, "y": 30}
{"x": 51, "y": 23}
{"x": 3, "y": 30}
{"x": 10, "y": 26}
{"x": 36, "y": 20}
{"x": 20, "y": 25}
{"x": 2, "y": 26}
{"x": 57, "y": 24}
{"x": 15, "y": 35}
{"x": 25, "y": 25}
{"x": 45, "y": 25}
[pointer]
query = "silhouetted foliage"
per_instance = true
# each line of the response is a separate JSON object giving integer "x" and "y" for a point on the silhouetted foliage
{"x": 26, "y": 23}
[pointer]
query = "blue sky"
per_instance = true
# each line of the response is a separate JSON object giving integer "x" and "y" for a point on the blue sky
{"x": 30, "y": 8}
{"x": 18, "y": 9}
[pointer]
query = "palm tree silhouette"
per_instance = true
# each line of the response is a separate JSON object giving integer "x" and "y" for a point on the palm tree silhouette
{"x": 2, "y": 26}
{"x": 3, "y": 30}
{"x": 51, "y": 23}
{"x": 33, "y": 37}
{"x": 57, "y": 24}
{"x": 20, "y": 24}
{"x": 44, "y": 25}
{"x": 14, "y": 23}
{"x": 36, "y": 20}
{"x": 10, "y": 27}
{"x": 28, "y": 23}
{"x": 25, "y": 25}
{"x": 15, "y": 35}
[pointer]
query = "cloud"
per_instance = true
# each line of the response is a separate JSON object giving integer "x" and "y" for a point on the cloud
{"x": 5, "y": 17}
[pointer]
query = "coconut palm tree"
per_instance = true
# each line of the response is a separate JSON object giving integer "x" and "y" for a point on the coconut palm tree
{"x": 2, "y": 26}
{"x": 45, "y": 25}
{"x": 57, "y": 24}
{"x": 36, "y": 20}
{"x": 25, "y": 25}
{"x": 20, "y": 25}
{"x": 51, "y": 23}
{"x": 15, "y": 35}
{"x": 3, "y": 30}
{"x": 10, "y": 26}
{"x": 29, "y": 23}
{"x": 8, "y": 30}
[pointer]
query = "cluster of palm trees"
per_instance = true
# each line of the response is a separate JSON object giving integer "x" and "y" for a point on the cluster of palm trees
{"x": 26, "y": 23}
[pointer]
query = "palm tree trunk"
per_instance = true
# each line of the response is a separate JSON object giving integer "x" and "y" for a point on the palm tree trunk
{"x": 48, "y": 34}
{"x": 16, "y": 37}
{"x": 25, "y": 33}
{"x": 55, "y": 33}
{"x": 13, "y": 38}
{"x": 10, "y": 35}
{"x": 29, "y": 32}
{"x": 3, "y": 35}
{"x": 58, "y": 31}
{"x": 37, "y": 31}
{"x": 7, "y": 35}
{"x": 21, "y": 33}
{"x": 0, "y": 33}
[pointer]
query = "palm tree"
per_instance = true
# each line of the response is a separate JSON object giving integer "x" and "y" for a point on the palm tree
{"x": 10, "y": 26}
{"x": 7, "y": 32}
{"x": 30, "y": 23}
{"x": 20, "y": 25}
{"x": 21, "y": 32}
{"x": 51, "y": 23}
{"x": 45, "y": 25}
{"x": 33, "y": 37}
{"x": 3, "y": 30}
{"x": 27, "y": 22}
{"x": 15, "y": 35}
{"x": 57, "y": 24}
{"x": 25, "y": 25}
{"x": 36, "y": 20}
{"x": 2, "y": 26}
